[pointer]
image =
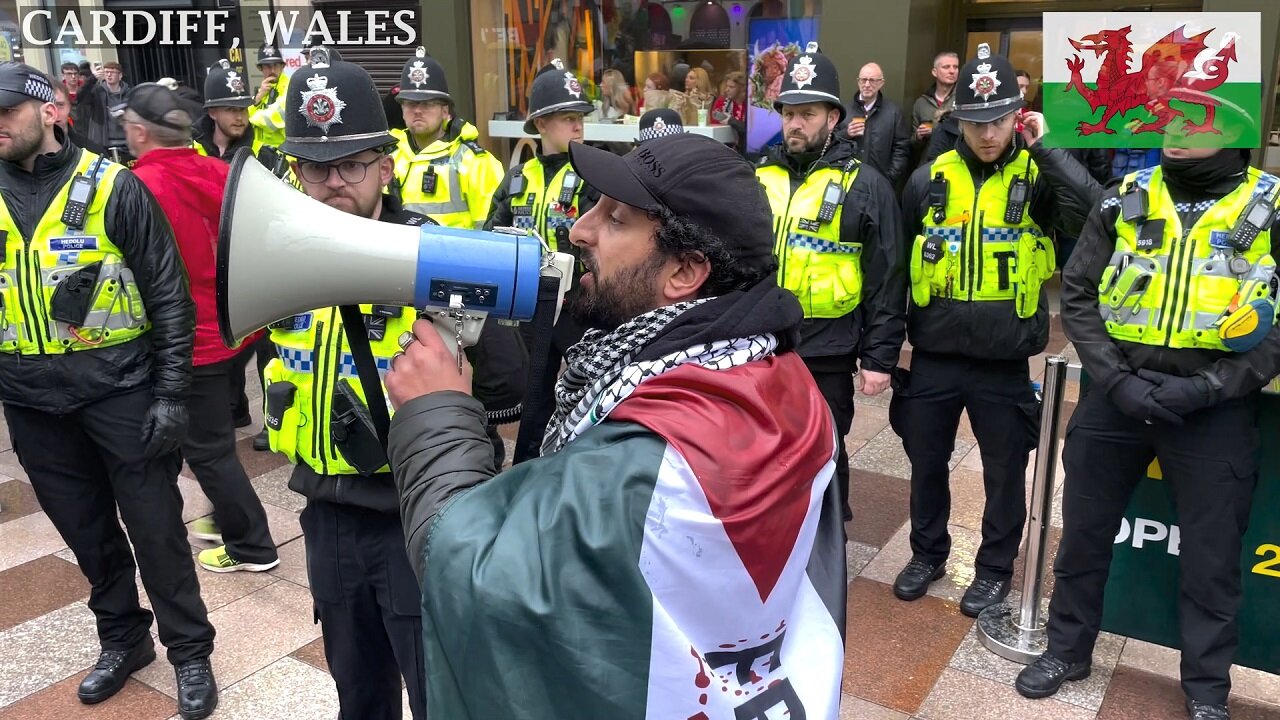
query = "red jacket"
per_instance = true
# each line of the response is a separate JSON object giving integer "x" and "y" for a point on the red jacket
{"x": 189, "y": 188}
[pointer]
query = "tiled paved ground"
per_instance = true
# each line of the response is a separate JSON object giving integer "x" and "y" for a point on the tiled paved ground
{"x": 905, "y": 660}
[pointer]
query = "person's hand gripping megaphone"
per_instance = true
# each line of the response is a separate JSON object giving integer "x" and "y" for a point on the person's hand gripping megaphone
{"x": 426, "y": 365}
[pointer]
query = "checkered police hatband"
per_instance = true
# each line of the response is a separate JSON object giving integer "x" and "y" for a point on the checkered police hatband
{"x": 39, "y": 88}
{"x": 664, "y": 130}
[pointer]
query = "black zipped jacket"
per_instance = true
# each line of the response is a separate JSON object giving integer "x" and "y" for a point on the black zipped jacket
{"x": 1107, "y": 360}
{"x": 871, "y": 333}
{"x": 1061, "y": 198}
{"x": 135, "y": 223}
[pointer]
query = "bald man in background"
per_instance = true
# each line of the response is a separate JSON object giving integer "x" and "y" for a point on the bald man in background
{"x": 877, "y": 128}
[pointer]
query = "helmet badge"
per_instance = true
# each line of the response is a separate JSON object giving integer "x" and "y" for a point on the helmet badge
{"x": 321, "y": 105}
{"x": 418, "y": 74}
{"x": 235, "y": 83}
{"x": 572, "y": 86}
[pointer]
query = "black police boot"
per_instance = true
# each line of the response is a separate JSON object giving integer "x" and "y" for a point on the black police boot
{"x": 1045, "y": 676}
{"x": 982, "y": 594}
{"x": 1205, "y": 711}
{"x": 113, "y": 669}
{"x": 197, "y": 690}
{"x": 261, "y": 442}
{"x": 913, "y": 581}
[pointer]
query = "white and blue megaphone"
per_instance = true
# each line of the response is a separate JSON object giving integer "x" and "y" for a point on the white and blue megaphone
{"x": 280, "y": 254}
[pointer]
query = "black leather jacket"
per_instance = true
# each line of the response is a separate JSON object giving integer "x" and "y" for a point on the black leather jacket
{"x": 1060, "y": 199}
{"x": 136, "y": 225}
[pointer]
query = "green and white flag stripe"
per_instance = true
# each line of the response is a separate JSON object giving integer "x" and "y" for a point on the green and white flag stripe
{"x": 1144, "y": 80}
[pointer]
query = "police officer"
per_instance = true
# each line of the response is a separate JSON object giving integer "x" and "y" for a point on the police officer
{"x": 1170, "y": 300}
{"x": 225, "y": 128}
{"x": 266, "y": 110}
{"x": 657, "y": 123}
{"x": 441, "y": 170}
{"x": 95, "y": 364}
{"x": 546, "y": 196}
{"x": 366, "y": 596}
{"x": 836, "y": 235}
{"x": 977, "y": 222}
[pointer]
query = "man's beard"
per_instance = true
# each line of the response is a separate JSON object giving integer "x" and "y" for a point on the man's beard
{"x": 232, "y": 133}
{"x": 610, "y": 303}
{"x": 23, "y": 145}
{"x": 814, "y": 145}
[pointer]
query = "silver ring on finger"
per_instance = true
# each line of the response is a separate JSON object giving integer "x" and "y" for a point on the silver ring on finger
{"x": 406, "y": 339}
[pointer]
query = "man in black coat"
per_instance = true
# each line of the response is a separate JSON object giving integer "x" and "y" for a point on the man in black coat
{"x": 877, "y": 128}
{"x": 94, "y": 374}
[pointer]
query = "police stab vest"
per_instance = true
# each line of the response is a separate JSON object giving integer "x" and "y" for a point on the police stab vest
{"x": 313, "y": 357}
{"x": 969, "y": 250}
{"x": 547, "y": 209}
{"x": 823, "y": 272}
{"x": 451, "y": 182}
{"x": 1172, "y": 288}
{"x": 74, "y": 273}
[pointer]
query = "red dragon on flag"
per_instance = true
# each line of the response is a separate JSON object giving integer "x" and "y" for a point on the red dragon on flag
{"x": 1175, "y": 67}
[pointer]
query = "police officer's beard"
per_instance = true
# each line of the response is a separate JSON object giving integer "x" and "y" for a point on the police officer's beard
{"x": 627, "y": 294}
{"x": 23, "y": 144}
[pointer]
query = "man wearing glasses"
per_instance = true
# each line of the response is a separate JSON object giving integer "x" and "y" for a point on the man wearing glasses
{"x": 877, "y": 128}
{"x": 366, "y": 596}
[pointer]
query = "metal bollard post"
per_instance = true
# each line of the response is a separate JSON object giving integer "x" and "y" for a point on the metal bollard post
{"x": 1018, "y": 633}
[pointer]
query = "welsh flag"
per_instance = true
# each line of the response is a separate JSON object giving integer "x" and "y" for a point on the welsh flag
{"x": 683, "y": 560}
{"x": 1141, "y": 80}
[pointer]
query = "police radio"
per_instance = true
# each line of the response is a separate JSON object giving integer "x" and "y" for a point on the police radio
{"x": 78, "y": 199}
{"x": 831, "y": 198}
{"x": 1016, "y": 203}
{"x": 1256, "y": 218}
{"x": 938, "y": 198}
{"x": 567, "y": 189}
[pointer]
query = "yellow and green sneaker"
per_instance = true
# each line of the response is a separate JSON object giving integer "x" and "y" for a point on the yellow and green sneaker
{"x": 217, "y": 560}
{"x": 206, "y": 529}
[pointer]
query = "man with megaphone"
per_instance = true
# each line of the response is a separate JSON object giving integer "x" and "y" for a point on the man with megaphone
{"x": 682, "y": 524}
{"x": 317, "y": 411}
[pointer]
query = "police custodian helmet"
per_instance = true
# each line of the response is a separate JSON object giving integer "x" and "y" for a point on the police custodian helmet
{"x": 224, "y": 87}
{"x": 423, "y": 79}
{"x": 554, "y": 90}
{"x": 333, "y": 110}
{"x": 810, "y": 78}
{"x": 992, "y": 91}
{"x": 268, "y": 54}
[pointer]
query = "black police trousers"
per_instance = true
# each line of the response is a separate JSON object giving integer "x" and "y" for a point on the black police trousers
{"x": 210, "y": 450}
{"x": 369, "y": 608}
{"x": 837, "y": 390}
{"x": 925, "y": 412}
{"x": 1210, "y": 464}
{"x": 83, "y": 466}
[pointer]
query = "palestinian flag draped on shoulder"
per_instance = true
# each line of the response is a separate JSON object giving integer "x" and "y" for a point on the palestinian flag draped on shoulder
{"x": 1142, "y": 80}
{"x": 681, "y": 560}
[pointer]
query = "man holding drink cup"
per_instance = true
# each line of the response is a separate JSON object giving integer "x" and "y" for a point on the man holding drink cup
{"x": 876, "y": 126}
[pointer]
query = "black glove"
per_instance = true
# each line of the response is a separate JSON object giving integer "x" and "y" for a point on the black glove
{"x": 1135, "y": 397}
{"x": 164, "y": 428}
{"x": 1181, "y": 395}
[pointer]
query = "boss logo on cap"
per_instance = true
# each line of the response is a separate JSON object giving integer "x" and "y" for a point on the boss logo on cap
{"x": 651, "y": 163}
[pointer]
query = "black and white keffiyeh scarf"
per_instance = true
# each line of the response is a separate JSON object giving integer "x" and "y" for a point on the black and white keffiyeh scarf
{"x": 602, "y": 372}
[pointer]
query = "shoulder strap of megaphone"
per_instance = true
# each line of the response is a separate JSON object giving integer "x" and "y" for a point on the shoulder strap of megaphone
{"x": 366, "y": 370}
{"x": 529, "y": 435}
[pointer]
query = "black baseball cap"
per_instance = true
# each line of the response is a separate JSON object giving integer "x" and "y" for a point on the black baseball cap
{"x": 20, "y": 83}
{"x": 152, "y": 101}
{"x": 696, "y": 179}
